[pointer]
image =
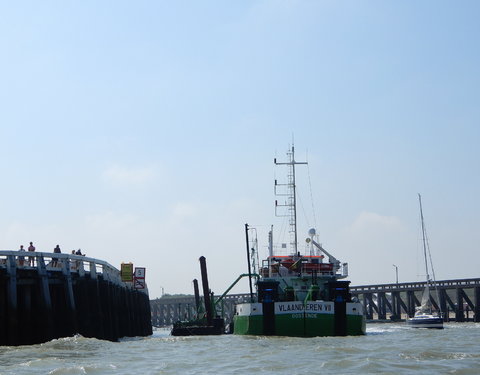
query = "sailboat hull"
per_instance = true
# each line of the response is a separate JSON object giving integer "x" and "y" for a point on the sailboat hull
{"x": 427, "y": 321}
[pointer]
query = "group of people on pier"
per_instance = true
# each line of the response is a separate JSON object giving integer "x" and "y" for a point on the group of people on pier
{"x": 21, "y": 258}
{"x": 31, "y": 259}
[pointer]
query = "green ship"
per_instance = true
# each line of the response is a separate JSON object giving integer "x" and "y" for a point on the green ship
{"x": 300, "y": 295}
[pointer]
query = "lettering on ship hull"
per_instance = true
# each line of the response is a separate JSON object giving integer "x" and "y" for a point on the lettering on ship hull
{"x": 311, "y": 308}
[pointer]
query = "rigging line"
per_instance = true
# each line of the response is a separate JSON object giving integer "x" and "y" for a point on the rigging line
{"x": 433, "y": 272}
{"x": 311, "y": 194}
{"x": 303, "y": 209}
{"x": 282, "y": 231}
{"x": 430, "y": 257}
{"x": 427, "y": 246}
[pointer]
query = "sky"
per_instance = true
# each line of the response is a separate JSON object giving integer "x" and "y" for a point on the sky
{"x": 145, "y": 132}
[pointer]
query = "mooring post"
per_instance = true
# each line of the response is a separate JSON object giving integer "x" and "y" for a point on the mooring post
{"x": 197, "y": 297}
{"x": 206, "y": 291}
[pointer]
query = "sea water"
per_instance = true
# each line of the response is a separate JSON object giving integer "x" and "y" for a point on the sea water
{"x": 388, "y": 348}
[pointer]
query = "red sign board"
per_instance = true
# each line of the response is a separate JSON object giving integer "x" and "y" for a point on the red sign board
{"x": 139, "y": 283}
{"x": 139, "y": 278}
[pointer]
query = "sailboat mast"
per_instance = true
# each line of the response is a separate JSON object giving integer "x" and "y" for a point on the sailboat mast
{"x": 424, "y": 238}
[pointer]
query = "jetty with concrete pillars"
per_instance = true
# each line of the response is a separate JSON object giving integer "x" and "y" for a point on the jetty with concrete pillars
{"x": 44, "y": 296}
{"x": 458, "y": 299}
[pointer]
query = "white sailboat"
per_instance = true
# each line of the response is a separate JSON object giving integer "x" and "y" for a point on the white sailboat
{"x": 425, "y": 316}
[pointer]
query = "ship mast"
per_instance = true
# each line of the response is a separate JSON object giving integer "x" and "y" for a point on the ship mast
{"x": 291, "y": 203}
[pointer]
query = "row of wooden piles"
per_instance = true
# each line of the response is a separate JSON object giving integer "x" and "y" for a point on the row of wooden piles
{"x": 37, "y": 306}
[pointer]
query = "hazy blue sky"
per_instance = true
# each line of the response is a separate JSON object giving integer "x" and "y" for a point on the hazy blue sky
{"x": 145, "y": 131}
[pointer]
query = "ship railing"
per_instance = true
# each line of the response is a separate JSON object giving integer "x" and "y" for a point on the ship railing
{"x": 284, "y": 271}
{"x": 62, "y": 263}
{"x": 417, "y": 286}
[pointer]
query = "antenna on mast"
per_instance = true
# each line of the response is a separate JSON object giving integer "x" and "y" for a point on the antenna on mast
{"x": 291, "y": 200}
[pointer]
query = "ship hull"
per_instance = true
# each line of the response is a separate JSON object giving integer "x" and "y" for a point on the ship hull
{"x": 298, "y": 319}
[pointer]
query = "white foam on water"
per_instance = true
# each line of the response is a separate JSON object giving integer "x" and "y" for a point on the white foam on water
{"x": 387, "y": 348}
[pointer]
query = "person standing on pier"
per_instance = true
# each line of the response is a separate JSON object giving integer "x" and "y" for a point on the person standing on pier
{"x": 55, "y": 260}
{"x": 31, "y": 260}
{"x": 21, "y": 258}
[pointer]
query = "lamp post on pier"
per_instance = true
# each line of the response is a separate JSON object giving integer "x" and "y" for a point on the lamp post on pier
{"x": 396, "y": 273}
{"x": 397, "y": 310}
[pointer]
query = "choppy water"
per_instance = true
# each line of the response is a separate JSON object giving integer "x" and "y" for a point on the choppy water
{"x": 386, "y": 349}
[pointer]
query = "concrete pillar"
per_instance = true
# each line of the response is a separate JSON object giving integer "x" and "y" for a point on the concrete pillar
{"x": 476, "y": 302}
{"x": 382, "y": 308}
{"x": 443, "y": 303}
{"x": 411, "y": 303}
{"x": 459, "y": 313}
{"x": 396, "y": 309}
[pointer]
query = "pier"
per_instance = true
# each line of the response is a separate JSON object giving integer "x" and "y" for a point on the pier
{"x": 44, "y": 296}
{"x": 459, "y": 301}
{"x": 167, "y": 311}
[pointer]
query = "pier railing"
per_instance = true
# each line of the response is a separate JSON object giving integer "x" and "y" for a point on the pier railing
{"x": 416, "y": 286}
{"x": 63, "y": 263}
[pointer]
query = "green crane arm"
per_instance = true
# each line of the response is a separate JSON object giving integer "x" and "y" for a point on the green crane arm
{"x": 233, "y": 284}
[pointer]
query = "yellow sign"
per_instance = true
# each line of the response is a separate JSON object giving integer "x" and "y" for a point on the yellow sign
{"x": 126, "y": 272}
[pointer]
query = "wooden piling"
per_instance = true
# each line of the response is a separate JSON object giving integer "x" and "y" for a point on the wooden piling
{"x": 12, "y": 316}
